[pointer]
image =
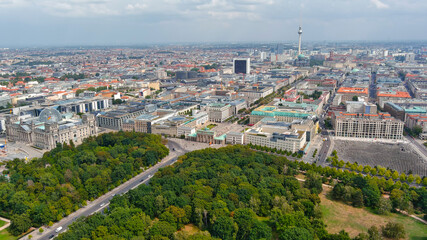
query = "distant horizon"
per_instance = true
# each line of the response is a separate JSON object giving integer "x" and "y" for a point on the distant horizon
{"x": 153, "y": 44}
{"x": 45, "y": 23}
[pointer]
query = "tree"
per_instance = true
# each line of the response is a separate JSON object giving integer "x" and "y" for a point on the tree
{"x": 162, "y": 228}
{"x": 223, "y": 228}
{"x": 371, "y": 195}
{"x": 402, "y": 177}
{"x": 355, "y": 98}
{"x": 388, "y": 174}
{"x": 313, "y": 182}
{"x": 417, "y": 179}
{"x": 296, "y": 233}
{"x": 260, "y": 230}
{"x": 357, "y": 198}
{"x": 374, "y": 233}
{"x": 382, "y": 171}
{"x": 244, "y": 218}
{"x": 41, "y": 230}
{"x": 417, "y": 130}
{"x": 384, "y": 206}
{"x": 395, "y": 175}
{"x": 362, "y": 236}
{"x": 367, "y": 169}
{"x": 393, "y": 230}
{"x": 398, "y": 199}
{"x": 19, "y": 224}
{"x": 338, "y": 191}
{"x": 410, "y": 178}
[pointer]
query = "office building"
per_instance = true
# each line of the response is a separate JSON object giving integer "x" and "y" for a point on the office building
{"x": 285, "y": 113}
{"x": 347, "y": 93}
{"x": 417, "y": 120}
{"x": 253, "y": 93}
{"x": 234, "y": 138}
{"x": 242, "y": 65}
{"x": 361, "y": 107}
{"x": 386, "y": 96}
{"x": 218, "y": 112}
{"x": 279, "y": 138}
{"x": 114, "y": 119}
{"x": 371, "y": 126}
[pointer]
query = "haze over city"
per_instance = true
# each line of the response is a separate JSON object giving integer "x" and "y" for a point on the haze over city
{"x": 213, "y": 119}
{"x": 132, "y": 22}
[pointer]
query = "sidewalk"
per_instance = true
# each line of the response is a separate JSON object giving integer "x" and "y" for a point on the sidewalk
{"x": 316, "y": 143}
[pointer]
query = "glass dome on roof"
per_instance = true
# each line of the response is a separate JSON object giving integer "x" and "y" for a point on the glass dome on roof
{"x": 49, "y": 115}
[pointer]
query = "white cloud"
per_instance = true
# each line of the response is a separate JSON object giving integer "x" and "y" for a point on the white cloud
{"x": 380, "y": 4}
{"x": 137, "y": 6}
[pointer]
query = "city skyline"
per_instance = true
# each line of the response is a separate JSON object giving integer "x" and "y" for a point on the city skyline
{"x": 88, "y": 22}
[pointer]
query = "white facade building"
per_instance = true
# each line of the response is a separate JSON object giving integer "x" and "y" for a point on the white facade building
{"x": 289, "y": 140}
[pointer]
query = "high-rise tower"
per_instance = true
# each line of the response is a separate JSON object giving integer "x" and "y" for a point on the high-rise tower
{"x": 299, "y": 41}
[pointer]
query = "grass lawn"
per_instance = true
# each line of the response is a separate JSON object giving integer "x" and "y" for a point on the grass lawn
{"x": 2, "y": 223}
{"x": 5, "y": 235}
{"x": 190, "y": 229}
{"x": 210, "y": 126}
{"x": 338, "y": 216}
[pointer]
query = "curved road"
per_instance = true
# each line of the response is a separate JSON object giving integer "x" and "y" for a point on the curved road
{"x": 102, "y": 202}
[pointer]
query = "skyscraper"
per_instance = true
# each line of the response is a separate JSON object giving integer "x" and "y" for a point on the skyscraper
{"x": 242, "y": 65}
{"x": 299, "y": 41}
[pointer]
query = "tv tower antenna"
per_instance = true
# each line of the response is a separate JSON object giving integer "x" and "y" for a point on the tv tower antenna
{"x": 299, "y": 40}
{"x": 299, "y": 33}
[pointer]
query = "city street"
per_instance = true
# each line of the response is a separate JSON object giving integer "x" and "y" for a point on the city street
{"x": 421, "y": 149}
{"x": 323, "y": 153}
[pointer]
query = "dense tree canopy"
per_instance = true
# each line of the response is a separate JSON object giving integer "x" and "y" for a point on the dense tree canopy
{"x": 232, "y": 193}
{"x": 51, "y": 187}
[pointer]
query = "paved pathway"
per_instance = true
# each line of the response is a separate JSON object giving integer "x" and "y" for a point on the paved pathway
{"x": 6, "y": 225}
{"x": 412, "y": 216}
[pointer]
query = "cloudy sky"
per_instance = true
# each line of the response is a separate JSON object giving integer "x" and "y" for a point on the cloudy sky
{"x": 122, "y": 22}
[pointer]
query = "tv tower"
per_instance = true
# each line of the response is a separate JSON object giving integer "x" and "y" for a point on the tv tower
{"x": 299, "y": 41}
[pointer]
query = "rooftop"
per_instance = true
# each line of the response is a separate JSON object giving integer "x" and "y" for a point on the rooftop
{"x": 397, "y": 94}
{"x": 353, "y": 90}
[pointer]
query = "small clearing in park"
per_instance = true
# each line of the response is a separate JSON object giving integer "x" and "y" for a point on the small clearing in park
{"x": 339, "y": 216}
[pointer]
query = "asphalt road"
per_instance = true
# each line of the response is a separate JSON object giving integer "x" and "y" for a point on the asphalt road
{"x": 102, "y": 202}
{"x": 323, "y": 154}
{"x": 417, "y": 145}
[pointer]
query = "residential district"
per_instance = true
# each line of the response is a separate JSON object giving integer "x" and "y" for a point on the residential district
{"x": 366, "y": 103}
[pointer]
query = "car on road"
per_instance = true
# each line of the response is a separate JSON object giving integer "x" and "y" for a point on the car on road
{"x": 58, "y": 229}
{"x": 51, "y": 236}
{"x": 102, "y": 204}
{"x": 173, "y": 149}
